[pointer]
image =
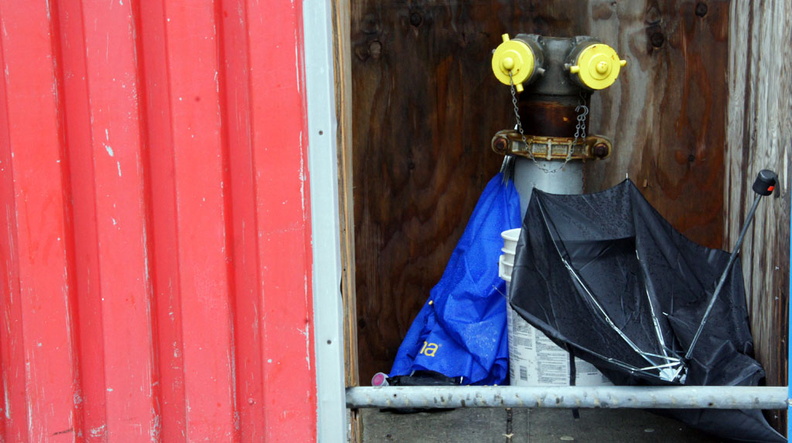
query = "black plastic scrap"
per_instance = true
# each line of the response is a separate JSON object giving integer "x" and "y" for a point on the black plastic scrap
{"x": 607, "y": 277}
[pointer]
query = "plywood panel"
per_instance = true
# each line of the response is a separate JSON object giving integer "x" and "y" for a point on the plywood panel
{"x": 425, "y": 106}
{"x": 667, "y": 112}
{"x": 759, "y": 137}
{"x": 343, "y": 87}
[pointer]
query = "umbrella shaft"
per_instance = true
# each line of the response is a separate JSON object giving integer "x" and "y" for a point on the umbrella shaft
{"x": 723, "y": 277}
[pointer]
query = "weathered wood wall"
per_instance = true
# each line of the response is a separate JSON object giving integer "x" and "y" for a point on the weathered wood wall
{"x": 759, "y": 134}
{"x": 666, "y": 113}
{"x": 425, "y": 106}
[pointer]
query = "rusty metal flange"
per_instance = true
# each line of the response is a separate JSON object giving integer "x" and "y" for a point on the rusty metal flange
{"x": 510, "y": 142}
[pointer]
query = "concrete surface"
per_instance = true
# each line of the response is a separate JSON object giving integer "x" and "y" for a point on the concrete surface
{"x": 482, "y": 425}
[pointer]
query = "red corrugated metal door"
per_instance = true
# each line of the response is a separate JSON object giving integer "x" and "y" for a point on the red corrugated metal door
{"x": 156, "y": 255}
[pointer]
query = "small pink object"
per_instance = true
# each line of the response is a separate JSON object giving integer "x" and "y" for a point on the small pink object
{"x": 379, "y": 379}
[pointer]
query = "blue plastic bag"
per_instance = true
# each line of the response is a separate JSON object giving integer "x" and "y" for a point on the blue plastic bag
{"x": 461, "y": 330}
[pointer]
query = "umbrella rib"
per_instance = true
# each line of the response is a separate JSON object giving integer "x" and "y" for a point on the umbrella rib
{"x": 630, "y": 367}
{"x": 588, "y": 293}
{"x": 626, "y": 366}
{"x": 605, "y": 314}
{"x": 675, "y": 361}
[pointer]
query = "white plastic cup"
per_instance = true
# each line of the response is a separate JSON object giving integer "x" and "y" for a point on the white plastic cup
{"x": 510, "y": 239}
{"x": 508, "y": 256}
{"x": 505, "y": 268}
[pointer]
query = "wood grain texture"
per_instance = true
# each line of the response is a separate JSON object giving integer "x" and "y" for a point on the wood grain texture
{"x": 425, "y": 106}
{"x": 759, "y": 137}
{"x": 667, "y": 110}
{"x": 343, "y": 87}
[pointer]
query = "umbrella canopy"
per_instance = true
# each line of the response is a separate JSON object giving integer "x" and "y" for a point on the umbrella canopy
{"x": 607, "y": 277}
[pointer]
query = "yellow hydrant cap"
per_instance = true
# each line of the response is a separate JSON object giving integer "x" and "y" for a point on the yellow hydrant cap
{"x": 513, "y": 56}
{"x": 597, "y": 66}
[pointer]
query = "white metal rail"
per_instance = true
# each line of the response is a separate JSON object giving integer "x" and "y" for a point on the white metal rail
{"x": 654, "y": 397}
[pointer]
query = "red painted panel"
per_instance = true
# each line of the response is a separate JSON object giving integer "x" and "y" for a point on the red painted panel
{"x": 282, "y": 207}
{"x": 90, "y": 397}
{"x": 107, "y": 168}
{"x": 236, "y": 103}
{"x": 156, "y": 229}
{"x": 37, "y": 297}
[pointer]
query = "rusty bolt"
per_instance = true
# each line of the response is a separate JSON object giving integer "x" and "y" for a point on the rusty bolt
{"x": 600, "y": 150}
{"x": 701, "y": 9}
{"x": 657, "y": 39}
{"x": 415, "y": 19}
{"x": 500, "y": 145}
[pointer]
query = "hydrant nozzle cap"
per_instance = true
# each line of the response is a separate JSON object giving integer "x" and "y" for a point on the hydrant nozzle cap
{"x": 597, "y": 66}
{"x": 513, "y": 62}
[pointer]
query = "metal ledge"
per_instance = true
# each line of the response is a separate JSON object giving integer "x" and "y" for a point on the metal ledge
{"x": 641, "y": 397}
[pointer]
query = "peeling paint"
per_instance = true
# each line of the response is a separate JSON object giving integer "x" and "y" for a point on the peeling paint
{"x": 308, "y": 352}
{"x": 98, "y": 431}
{"x": 5, "y": 395}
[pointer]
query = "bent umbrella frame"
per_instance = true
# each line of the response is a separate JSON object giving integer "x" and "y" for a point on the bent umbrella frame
{"x": 657, "y": 397}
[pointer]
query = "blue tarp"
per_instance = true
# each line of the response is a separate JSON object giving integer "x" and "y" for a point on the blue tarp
{"x": 461, "y": 330}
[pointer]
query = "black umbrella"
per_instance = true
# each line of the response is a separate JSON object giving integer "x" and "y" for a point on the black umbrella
{"x": 605, "y": 276}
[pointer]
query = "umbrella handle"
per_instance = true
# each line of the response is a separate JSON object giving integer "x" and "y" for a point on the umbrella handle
{"x": 764, "y": 185}
{"x": 765, "y": 182}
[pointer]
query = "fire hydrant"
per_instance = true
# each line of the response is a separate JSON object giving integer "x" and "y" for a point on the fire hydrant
{"x": 551, "y": 82}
